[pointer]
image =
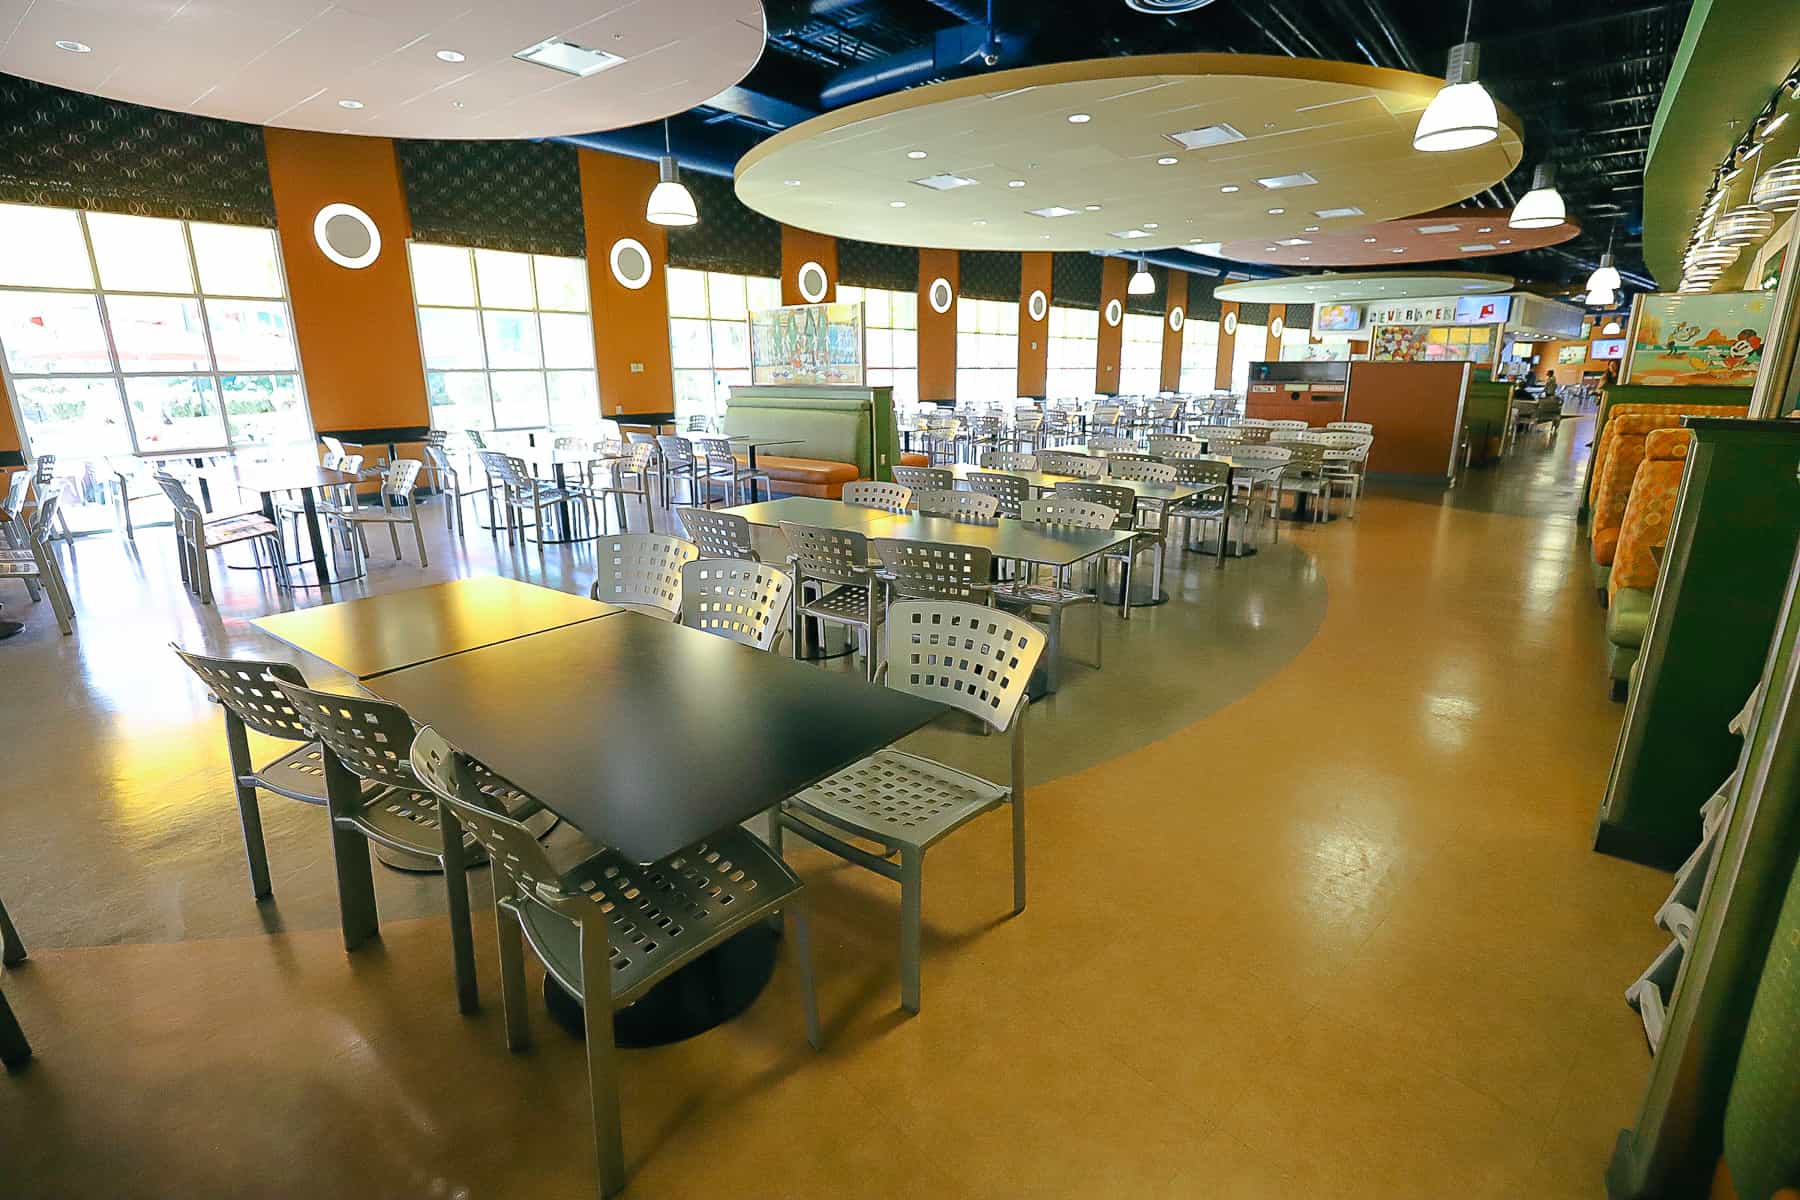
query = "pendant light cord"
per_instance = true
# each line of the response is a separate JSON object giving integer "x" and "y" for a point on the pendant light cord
{"x": 1469, "y": 20}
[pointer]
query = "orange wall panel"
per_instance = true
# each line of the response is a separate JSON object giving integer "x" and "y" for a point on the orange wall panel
{"x": 1035, "y": 272}
{"x": 1272, "y": 338}
{"x": 937, "y": 331}
{"x": 799, "y": 247}
{"x": 1416, "y": 409}
{"x": 1114, "y": 276}
{"x": 1171, "y": 359}
{"x": 631, "y": 327}
{"x": 1227, "y": 348}
{"x": 358, "y": 337}
{"x": 9, "y": 434}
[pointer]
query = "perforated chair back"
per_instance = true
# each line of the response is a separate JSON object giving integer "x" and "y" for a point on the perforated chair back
{"x": 436, "y": 437}
{"x": 1352, "y": 426}
{"x": 829, "y": 555}
{"x": 958, "y": 506}
{"x": 1009, "y": 491}
{"x": 938, "y": 479}
{"x": 500, "y": 467}
{"x": 965, "y": 655}
{"x": 1141, "y": 472}
{"x": 875, "y": 493}
{"x": 1121, "y": 500}
{"x": 1162, "y": 444}
{"x": 1062, "y": 510}
{"x": 371, "y": 737}
{"x": 1008, "y": 460}
{"x": 1111, "y": 444}
{"x": 936, "y": 570}
{"x": 16, "y": 491}
{"x": 718, "y": 534}
{"x": 1202, "y": 472}
{"x": 251, "y": 689}
{"x": 1339, "y": 439}
{"x": 1079, "y": 466}
{"x": 450, "y": 775}
{"x": 1265, "y": 458}
{"x": 397, "y": 481}
{"x": 736, "y": 598}
{"x": 642, "y": 572}
{"x": 179, "y": 499}
{"x": 1305, "y": 458}
{"x": 677, "y": 451}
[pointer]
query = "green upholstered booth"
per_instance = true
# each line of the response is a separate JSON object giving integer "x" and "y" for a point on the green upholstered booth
{"x": 1637, "y": 393}
{"x": 1486, "y": 411}
{"x": 1762, "y": 1117}
{"x": 841, "y": 434}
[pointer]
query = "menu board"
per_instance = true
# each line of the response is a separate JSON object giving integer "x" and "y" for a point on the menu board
{"x": 807, "y": 344}
{"x": 1432, "y": 343}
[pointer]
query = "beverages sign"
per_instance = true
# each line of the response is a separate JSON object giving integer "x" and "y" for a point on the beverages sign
{"x": 1413, "y": 312}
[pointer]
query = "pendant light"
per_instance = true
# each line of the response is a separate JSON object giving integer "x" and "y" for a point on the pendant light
{"x": 1744, "y": 225}
{"x": 1462, "y": 114}
{"x": 1142, "y": 282}
{"x": 1605, "y": 276}
{"x": 670, "y": 203}
{"x": 1600, "y": 297}
{"x": 1542, "y": 206}
{"x": 1779, "y": 188}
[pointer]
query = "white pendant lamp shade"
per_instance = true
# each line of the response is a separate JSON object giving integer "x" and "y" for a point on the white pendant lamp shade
{"x": 1542, "y": 206}
{"x": 671, "y": 203}
{"x": 1744, "y": 225}
{"x": 1461, "y": 115}
{"x": 1778, "y": 190}
{"x": 1142, "y": 282}
{"x": 1605, "y": 276}
{"x": 1600, "y": 297}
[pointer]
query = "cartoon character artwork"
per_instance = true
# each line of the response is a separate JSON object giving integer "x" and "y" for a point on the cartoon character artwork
{"x": 1712, "y": 340}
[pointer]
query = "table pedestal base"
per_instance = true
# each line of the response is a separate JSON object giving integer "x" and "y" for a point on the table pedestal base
{"x": 1212, "y": 549}
{"x": 709, "y": 991}
{"x": 1144, "y": 593}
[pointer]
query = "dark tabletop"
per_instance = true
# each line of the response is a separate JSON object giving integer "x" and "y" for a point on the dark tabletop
{"x": 383, "y": 633}
{"x": 648, "y": 736}
{"x": 1054, "y": 545}
{"x": 813, "y": 510}
{"x": 279, "y": 477}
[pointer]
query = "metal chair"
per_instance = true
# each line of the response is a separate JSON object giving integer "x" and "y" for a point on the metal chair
{"x": 15, "y": 1050}
{"x": 938, "y": 479}
{"x": 12, "y": 515}
{"x": 874, "y": 493}
{"x": 1140, "y": 471}
{"x": 913, "y": 570}
{"x": 1107, "y": 419}
{"x": 365, "y": 740}
{"x": 1111, "y": 444}
{"x": 1028, "y": 431}
{"x": 679, "y": 464}
{"x": 964, "y": 655}
{"x": 1008, "y": 491}
{"x": 442, "y": 476}
{"x": 398, "y": 507}
{"x": 1123, "y": 501}
{"x": 630, "y": 476}
{"x": 612, "y": 928}
{"x": 740, "y": 599}
{"x": 1055, "y": 595}
{"x": 1214, "y": 476}
{"x": 1076, "y": 466}
{"x": 1259, "y": 472}
{"x": 1352, "y": 426}
{"x": 1008, "y": 460}
{"x": 641, "y": 572}
{"x": 195, "y": 536}
{"x": 723, "y": 467}
{"x": 1304, "y": 475}
{"x": 958, "y": 506}
{"x": 718, "y": 534}
{"x": 36, "y": 564}
{"x": 835, "y": 563}
{"x": 521, "y": 493}
{"x": 1167, "y": 416}
{"x": 1167, "y": 444}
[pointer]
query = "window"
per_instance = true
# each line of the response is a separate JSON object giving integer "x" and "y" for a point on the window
{"x": 891, "y": 333}
{"x": 507, "y": 340}
{"x": 1074, "y": 353}
{"x": 709, "y": 335}
{"x": 1199, "y": 356}
{"x": 1140, "y": 356}
{"x": 1294, "y": 343}
{"x": 987, "y": 351}
{"x": 143, "y": 335}
{"x": 1252, "y": 347}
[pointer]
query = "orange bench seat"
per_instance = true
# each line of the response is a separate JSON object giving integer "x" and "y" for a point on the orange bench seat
{"x": 816, "y": 476}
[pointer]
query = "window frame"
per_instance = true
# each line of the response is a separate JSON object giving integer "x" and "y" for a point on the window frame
{"x": 1090, "y": 364}
{"x": 1130, "y": 370}
{"x": 903, "y": 395}
{"x": 717, "y": 384}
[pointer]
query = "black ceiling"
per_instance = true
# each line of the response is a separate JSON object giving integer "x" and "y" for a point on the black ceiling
{"x": 1585, "y": 83}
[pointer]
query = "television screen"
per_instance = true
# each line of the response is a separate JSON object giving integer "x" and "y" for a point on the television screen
{"x": 1483, "y": 310}
{"x": 1613, "y": 348}
{"x": 1337, "y": 318}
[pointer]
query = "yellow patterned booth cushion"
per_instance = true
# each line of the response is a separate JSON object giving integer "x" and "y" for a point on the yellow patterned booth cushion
{"x": 1649, "y": 509}
{"x": 1673, "y": 414}
{"x": 1616, "y": 475}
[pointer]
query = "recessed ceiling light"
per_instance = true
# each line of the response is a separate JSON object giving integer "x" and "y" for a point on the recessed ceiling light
{"x": 1485, "y": 229}
{"x": 896, "y": 204}
{"x": 1151, "y": 225}
{"x": 1293, "y": 179}
{"x": 1294, "y": 241}
{"x": 567, "y": 57}
{"x": 1506, "y": 241}
{"x": 1206, "y": 135}
{"x": 791, "y": 182}
{"x": 350, "y": 104}
{"x": 915, "y": 154}
{"x": 943, "y": 181}
{"x": 1310, "y": 229}
{"x": 75, "y": 47}
{"x": 1079, "y": 118}
{"x": 1326, "y": 214}
{"x": 456, "y": 104}
{"x": 1398, "y": 250}
{"x": 1306, "y": 258}
{"x": 1440, "y": 229}
{"x": 1271, "y": 249}
{"x": 1091, "y": 207}
{"x": 1130, "y": 235}
{"x": 1370, "y": 241}
{"x": 1276, "y": 212}
{"x": 450, "y": 55}
{"x": 1015, "y": 183}
{"x": 1053, "y": 211}
{"x": 1229, "y": 188}
{"x": 1477, "y": 248}
{"x": 1167, "y": 161}
{"x": 979, "y": 222}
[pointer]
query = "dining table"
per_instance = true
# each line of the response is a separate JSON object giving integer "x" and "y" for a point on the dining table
{"x": 647, "y": 737}
{"x": 749, "y": 444}
{"x": 307, "y": 479}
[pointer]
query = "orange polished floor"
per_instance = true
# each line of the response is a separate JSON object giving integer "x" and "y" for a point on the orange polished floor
{"x": 1340, "y": 935}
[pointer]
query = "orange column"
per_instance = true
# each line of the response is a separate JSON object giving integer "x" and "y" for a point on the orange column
{"x": 1035, "y": 269}
{"x": 799, "y": 247}
{"x": 1171, "y": 360}
{"x": 1115, "y": 274}
{"x": 937, "y": 331}
{"x": 631, "y": 325}
{"x": 10, "y": 453}
{"x": 1228, "y": 311}
{"x": 358, "y": 337}
{"x": 1272, "y": 347}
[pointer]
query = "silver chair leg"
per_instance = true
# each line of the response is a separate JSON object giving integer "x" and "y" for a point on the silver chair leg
{"x": 419, "y": 537}
{"x": 809, "y": 996}
{"x": 911, "y": 865}
{"x": 515, "y": 1004}
{"x": 602, "y": 1060}
{"x": 249, "y": 814}
{"x": 456, "y": 894}
{"x": 350, "y": 855}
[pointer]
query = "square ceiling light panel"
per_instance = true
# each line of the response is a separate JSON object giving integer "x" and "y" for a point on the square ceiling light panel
{"x": 945, "y": 182}
{"x": 1052, "y": 212}
{"x": 1296, "y": 179}
{"x": 1206, "y": 135}
{"x": 567, "y": 57}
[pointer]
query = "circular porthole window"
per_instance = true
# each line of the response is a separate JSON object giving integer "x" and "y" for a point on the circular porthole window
{"x": 1115, "y": 312}
{"x": 1038, "y": 306}
{"x": 812, "y": 282}
{"x": 1230, "y": 322}
{"x": 941, "y": 295}
{"x": 630, "y": 263}
{"x": 347, "y": 236}
{"x": 1276, "y": 326}
{"x": 1177, "y": 318}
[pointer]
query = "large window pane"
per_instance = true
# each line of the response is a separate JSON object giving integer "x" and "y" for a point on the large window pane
{"x": 47, "y": 332}
{"x": 264, "y": 409}
{"x": 72, "y": 417}
{"x": 236, "y": 260}
{"x": 459, "y": 399}
{"x": 512, "y": 339}
{"x": 519, "y": 399}
{"x": 761, "y": 294}
{"x": 693, "y": 392}
{"x": 157, "y": 333}
{"x": 561, "y": 283}
{"x": 687, "y": 293}
{"x": 906, "y": 349}
{"x": 725, "y": 297}
{"x": 140, "y": 254}
{"x": 690, "y": 342}
{"x": 44, "y": 247}
{"x": 568, "y": 340}
{"x": 251, "y": 335}
{"x": 451, "y": 339}
{"x": 731, "y": 344}
{"x": 443, "y": 275}
{"x": 505, "y": 279}
{"x": 574, "y": 398}
{"x": 180, "y": 413}
{"x": 906, "y": 310}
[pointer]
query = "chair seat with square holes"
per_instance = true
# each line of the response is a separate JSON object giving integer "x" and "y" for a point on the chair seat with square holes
{"x": 661, "y": 914}
{"x": 846, "y": 601}
{"x": 901, "y": 799}
{"x": 300, "y": 775}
